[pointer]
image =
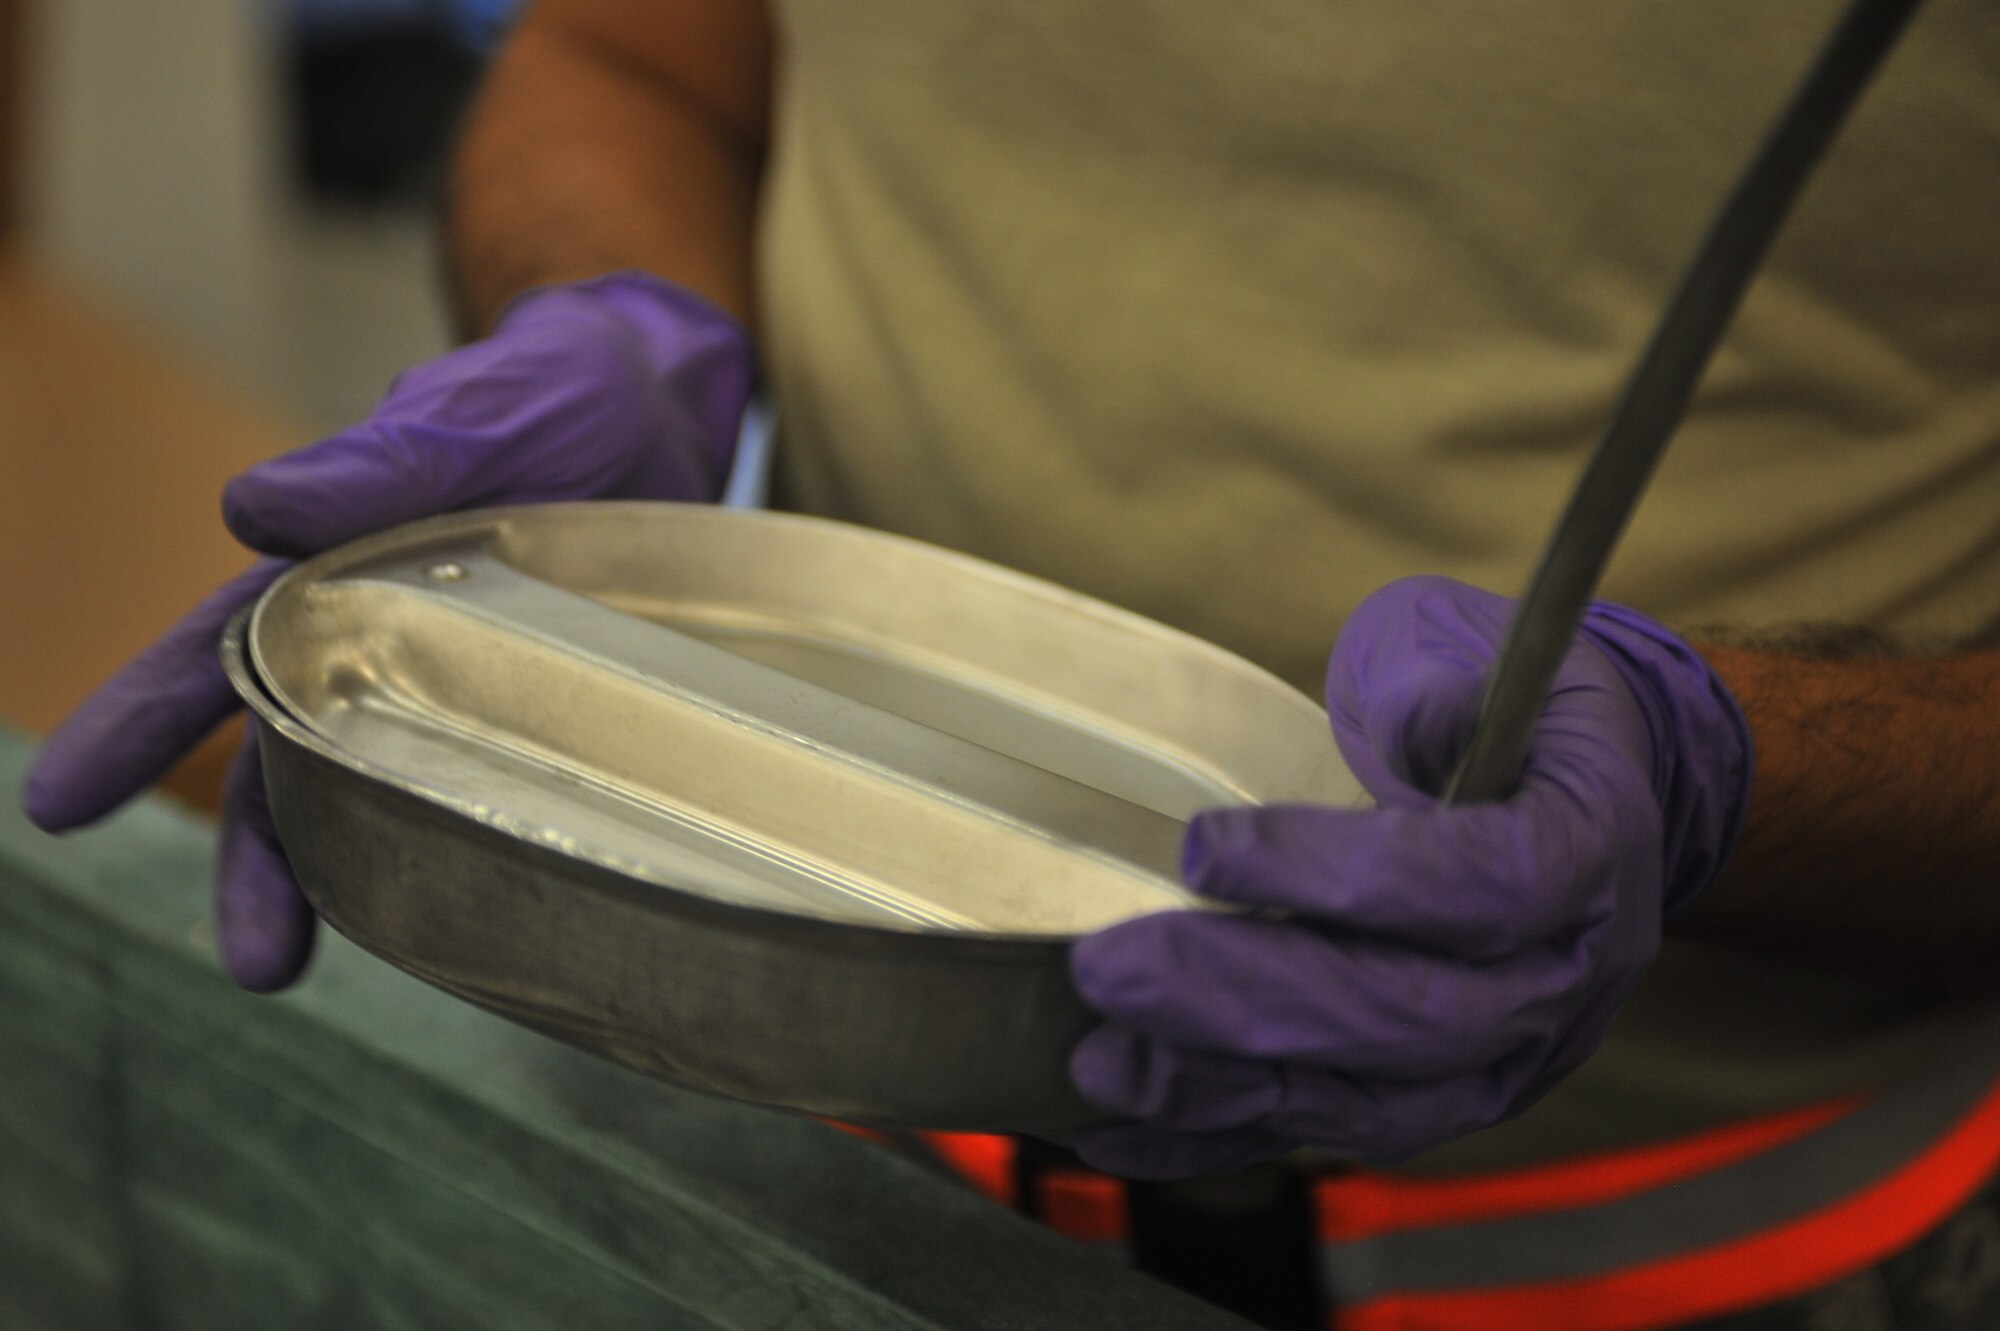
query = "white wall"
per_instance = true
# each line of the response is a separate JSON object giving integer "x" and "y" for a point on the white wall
{"x": 152, "y": 150}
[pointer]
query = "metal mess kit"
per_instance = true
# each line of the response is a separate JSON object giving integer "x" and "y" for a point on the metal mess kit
{"x": 770, "y": 806}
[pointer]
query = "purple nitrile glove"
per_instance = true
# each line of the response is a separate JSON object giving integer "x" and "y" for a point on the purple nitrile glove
{"x": 1415, "y": 972}
{"x": 622, "y": 387}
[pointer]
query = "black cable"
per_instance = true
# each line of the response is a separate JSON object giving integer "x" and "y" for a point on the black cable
{"x": 1656, "y": 395}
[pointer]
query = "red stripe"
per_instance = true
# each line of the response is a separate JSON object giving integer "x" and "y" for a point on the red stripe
{"x": 1365, "y": 1204}
{"x": 1780, "y": 1263}
{"x": 987, "y": 1163}
{"x": 1084, "y": 1206}
{"x": 854, "y": 1130}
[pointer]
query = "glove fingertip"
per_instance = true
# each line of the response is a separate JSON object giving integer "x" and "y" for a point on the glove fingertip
{"x": 1213, "y": 847}
{"x": 267, "y": 973}
{"x": 243, "y": 512}
{"x": 264, "y": 926}
{"x": 1269, "y": 856}
{"x": 77, "y": 779}
{"x": 1102, "y": 1068}
{"x": 268, "y": 519}
{"x": 48, "y": 806}
{"x": 1102, "y": 965}
{"x": 50, "y": 796}
{"x": 319, "y": 496}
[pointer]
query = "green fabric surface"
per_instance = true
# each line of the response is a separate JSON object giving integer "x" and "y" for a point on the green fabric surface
{"x": 368, "y": 1152}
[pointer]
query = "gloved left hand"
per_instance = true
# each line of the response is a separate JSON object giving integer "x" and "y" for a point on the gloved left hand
{"x": 621, "y": 387}
{"x": 1415, "y": 972}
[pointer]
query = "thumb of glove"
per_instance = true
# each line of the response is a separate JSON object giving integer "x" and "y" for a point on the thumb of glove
{"x": 1409, "y": 733}
{"x": 263, "y": 924}
{"x": 1405, "y": 681}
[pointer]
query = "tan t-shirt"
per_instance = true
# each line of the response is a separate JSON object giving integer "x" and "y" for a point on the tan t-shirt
{"x": 1230, "y": 314}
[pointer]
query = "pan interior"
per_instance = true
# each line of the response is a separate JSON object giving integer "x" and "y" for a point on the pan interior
{"x": 727, "y": 746}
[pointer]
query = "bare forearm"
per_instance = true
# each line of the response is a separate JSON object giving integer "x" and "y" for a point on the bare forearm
{"x": 586, "y": 152}
{"x": 1873, "y": 838}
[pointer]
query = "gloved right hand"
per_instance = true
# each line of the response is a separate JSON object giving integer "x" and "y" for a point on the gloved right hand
{"x": 622, "y": 387}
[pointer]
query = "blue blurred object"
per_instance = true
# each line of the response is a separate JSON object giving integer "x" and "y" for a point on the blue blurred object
{"x": 477, "y": 24}
{"x": 749, "y": 484}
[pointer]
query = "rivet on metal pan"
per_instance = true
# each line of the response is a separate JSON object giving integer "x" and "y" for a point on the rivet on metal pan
{"x": 446, "y": 572}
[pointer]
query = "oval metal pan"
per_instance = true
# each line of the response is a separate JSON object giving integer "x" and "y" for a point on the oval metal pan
{"x": 944, "y": 1030}
{"x": 787, "y": 712}
{"x": 1062, "y": 740}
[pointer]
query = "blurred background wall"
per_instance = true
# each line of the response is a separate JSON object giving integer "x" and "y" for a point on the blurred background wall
{"x": 219, "y": 244}
{"x": 250, "y": 176}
